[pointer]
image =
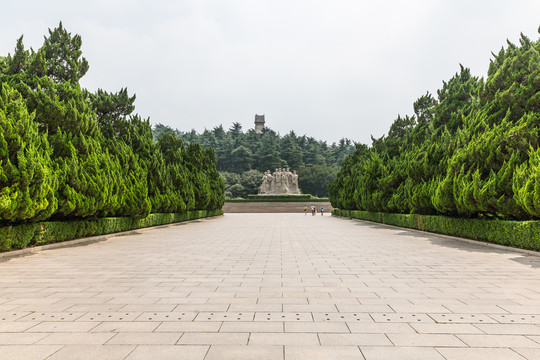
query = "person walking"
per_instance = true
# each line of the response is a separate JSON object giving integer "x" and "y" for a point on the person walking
{"x": 322, "y": 210}
{"x": 313, "y": 210}
{"x": 305, "y": 210}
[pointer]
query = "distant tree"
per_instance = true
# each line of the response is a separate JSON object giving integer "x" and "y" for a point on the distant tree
{"x": 62, "y": 54}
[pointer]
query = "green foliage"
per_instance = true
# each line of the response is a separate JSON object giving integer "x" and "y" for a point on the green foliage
{"x": 66, "y": 153}
{"x": 315, "y": 179}
{"x": 62, "y": 54}
{"x": 241, "y": 185}
{"x": 243, "y": 157}
{"x": 520, "y": 234}
{"x": 470, "y": 153}
{"x": 28, "y": 180}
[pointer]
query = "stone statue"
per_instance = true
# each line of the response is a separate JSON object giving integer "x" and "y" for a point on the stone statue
{"x": 281, "y": 182}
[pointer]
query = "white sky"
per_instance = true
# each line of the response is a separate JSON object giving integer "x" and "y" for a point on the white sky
{"x": 325, "y": 68}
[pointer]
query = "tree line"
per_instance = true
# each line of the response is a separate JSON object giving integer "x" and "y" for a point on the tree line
{"x": 242, "y": 157}
{"x": 66, "y": 152}
{"x": 471, "y": 151}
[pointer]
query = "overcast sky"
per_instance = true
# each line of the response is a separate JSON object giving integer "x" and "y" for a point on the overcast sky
{"x": 328, "y": 69}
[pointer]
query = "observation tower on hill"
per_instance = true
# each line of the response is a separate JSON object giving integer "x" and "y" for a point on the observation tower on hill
{"x": 259, "y": 123}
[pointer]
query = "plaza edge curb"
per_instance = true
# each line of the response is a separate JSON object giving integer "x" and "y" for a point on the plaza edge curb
{"x": 450, "y": 237}
{"x": 90, "y": 239}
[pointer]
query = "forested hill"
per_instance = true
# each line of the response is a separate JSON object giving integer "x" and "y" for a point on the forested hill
{"x": 242, "y": 157}
{"x": 471, "y": 151}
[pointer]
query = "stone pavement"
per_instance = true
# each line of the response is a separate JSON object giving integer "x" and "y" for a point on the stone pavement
{"x": 271, "y": 286}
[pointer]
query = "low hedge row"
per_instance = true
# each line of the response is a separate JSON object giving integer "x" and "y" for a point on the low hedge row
{"x": 14, "y": 237}
{"x": 520, "y": 234}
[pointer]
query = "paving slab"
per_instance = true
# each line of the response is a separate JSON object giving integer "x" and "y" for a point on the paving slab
{"x": 271, "y": 286}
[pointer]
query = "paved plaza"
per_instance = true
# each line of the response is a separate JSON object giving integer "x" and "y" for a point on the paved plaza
{"x": 270, "y": 287}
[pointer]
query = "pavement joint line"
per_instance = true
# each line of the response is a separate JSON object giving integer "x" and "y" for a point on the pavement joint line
{"x": 450, "y": 237}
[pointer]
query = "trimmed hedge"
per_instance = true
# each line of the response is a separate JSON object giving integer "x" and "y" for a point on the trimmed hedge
{"x": 519, "y": 234}
{"x": 14, "y": 237}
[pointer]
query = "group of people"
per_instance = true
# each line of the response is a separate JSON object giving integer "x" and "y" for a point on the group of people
{"x": 313, "y": 210}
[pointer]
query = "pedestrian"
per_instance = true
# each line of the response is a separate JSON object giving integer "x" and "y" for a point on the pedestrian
{"x": 305, "y": 210}
{"x": 322, "y": 210}
{"x": 313, "y": 210}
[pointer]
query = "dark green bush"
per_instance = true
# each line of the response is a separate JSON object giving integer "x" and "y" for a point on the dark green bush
{"x": 520, "y": 234}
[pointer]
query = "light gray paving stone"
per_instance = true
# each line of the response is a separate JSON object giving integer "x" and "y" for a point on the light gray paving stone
{"x": 225, "y": 316}
{"x": 463, "y": 319}
{"x": 354, "y": 339}
{"x": 402, "y": 317}
{"x": 448, "y": 328}
{"x": 125, "y": 326}
{"x": 13, "y": 315}
{"x": 508, "y": 329}
{"x": 313, "y": 308}
{"x": 380, "y": 328}
{"x": 341, "y": 316}
{"x": 252, "y": 327}
{"x": 25, "y": 352}
{"x": 283, "y": 316}
{"x": 166, "y": 316}
{"x": 401, "y": 353}
{"x": 316, "y": 327}
{"x": 283, "y": 339}
{"x": 367, "y": 308}
{"x": 63, "y": 326}
{"x": 168, "y": 352}
{"x": 147, "y": 308}
{"x": 516, "y": 318}
{"x": 251, "y": 352}
{"x": 76, "y": 339}
{"x": 494, "y": 341}
{"x": 529, "y": 354}
{"x": 413, "y": 340}
{"x": 214, "y": 339}
{"x": 12, "y": 326}
{"x": 182, "y": 326}
{"x": 278, "y": 264}
{"x": 52, "y": 316}
{"x": 110, "y": 316}
{"x": 479, "y": 354}
{"x": 535, "y": 338}
{"x": 21, "y": 338}
{"x": 145, "y": 338}
{"x": 322, "y": 353}
{"x": 85, "y": 352}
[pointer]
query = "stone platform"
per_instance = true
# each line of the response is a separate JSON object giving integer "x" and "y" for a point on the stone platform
{"x": 275, "y": 207}
{"x": 271, "y": 286}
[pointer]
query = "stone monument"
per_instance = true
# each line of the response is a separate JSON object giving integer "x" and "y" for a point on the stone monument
{"x": 281, "y": 182}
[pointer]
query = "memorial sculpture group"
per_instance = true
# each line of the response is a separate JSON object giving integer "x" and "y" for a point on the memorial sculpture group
{"x": 282, "y": 181}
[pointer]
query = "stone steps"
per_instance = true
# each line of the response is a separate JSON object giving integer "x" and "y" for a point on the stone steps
{"x": 274, "y": 207}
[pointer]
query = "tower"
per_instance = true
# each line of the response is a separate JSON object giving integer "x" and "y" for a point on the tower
{"x": 259, "y": 123}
